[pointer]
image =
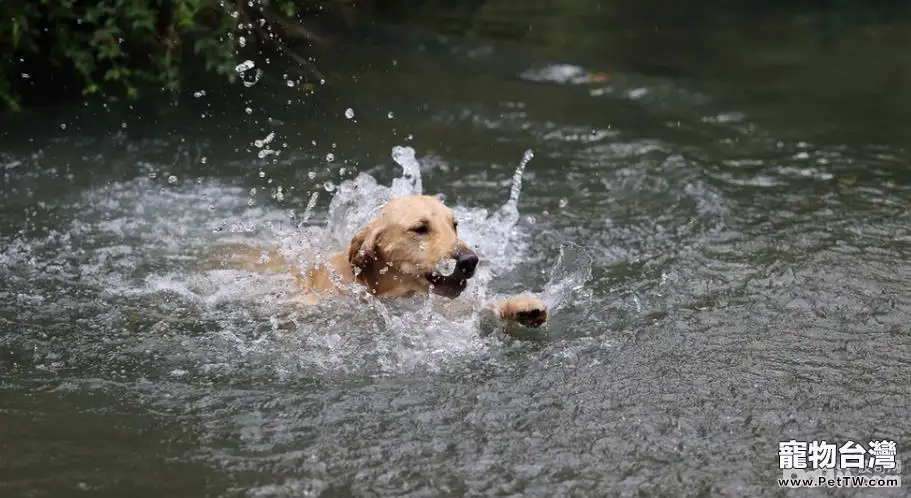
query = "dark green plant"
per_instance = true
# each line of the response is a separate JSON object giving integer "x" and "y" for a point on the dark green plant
{"x": 119, "y": 46}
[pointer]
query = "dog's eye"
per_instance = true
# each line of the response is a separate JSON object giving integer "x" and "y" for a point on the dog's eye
{"x": 455, "y": 225}
{"x": 420, "y": 229}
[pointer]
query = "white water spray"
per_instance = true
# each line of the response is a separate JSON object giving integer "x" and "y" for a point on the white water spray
{"x": 570, "y": 273}
{"x": 308, "y": 211}
{"x": 410, "y": 181}
{"x": 508, "y": 214}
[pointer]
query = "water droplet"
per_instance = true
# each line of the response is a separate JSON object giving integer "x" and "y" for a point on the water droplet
{"x": 342, "y": 171}
{"x": 262, "y": 174}
{"x": 290, "y": 83}
{"x": 256, "y": 76}
{"x": 329, "y": 186}
{"x": 211, "y": 207}
{"x": 446, "y": 267}
{"x": 390, "y": 115}
{"x": 62, "y": 126}
{"x": 252, "y": 191}
{"x": 203, "y": 159}
{"x": 200, "y": 93}
{"x": 349, "y": 113}
{"x": 330, "y": 157}
{"x": 530, "y": 219}
{"x": 409, "y": 137}
{"x": 248, "y": 111}
{"x": 251, "y": 202}
{"x": 311, "y": 175}
{"x": 172, "y": 179}
{"x": 242, "y": 42}
{"x": 258, "y": 143}
{"x": 563, "y": 202}
{"x": 245, "y": 66}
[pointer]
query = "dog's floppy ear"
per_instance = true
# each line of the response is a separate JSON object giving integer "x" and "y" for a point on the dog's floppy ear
{"x": 362, "y": 252}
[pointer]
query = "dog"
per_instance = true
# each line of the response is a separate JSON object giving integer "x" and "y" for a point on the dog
{"x": 397, "y": 254}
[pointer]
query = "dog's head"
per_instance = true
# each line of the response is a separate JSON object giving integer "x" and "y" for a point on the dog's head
{"x": 400, "y": 251}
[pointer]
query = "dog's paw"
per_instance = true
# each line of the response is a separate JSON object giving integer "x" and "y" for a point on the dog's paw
{"x": 525, "y": 310}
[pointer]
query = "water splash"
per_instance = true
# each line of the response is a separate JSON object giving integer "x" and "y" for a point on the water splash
{"x": 570, "y": 273}
{"x": 139, "y": 243}
{"x": 358, "y": 200}
{"x": 311, "y": 203}
{"x": 508, "y": 215}
{"x": 355, "y": 203}
{"x": 410, "y": 181}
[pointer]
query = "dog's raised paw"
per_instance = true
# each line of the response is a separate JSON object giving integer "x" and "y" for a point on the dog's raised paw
{"x": 525, "y": 310}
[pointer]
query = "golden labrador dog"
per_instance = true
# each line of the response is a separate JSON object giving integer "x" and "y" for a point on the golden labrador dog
{"x": 397, "y": 254}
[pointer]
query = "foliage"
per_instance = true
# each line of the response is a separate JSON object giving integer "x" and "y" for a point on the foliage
{"x": 122, "y": 45}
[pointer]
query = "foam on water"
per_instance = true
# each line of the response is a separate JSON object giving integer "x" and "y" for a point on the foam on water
{"x": 128, "y": 264}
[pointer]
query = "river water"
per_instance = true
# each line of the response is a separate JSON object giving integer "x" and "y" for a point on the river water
{"x": 734, "y": 273}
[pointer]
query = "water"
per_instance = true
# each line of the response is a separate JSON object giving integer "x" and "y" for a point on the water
{"x": 727, "y": 271}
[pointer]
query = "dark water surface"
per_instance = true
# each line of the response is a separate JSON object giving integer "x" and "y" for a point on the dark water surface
{"x": 748, "y": 222}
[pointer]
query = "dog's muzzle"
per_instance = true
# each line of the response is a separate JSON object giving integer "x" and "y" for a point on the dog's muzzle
{"x": 466, "y": 263}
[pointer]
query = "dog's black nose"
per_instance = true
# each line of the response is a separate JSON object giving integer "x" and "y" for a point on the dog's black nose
{"x": 466, "y": 262}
